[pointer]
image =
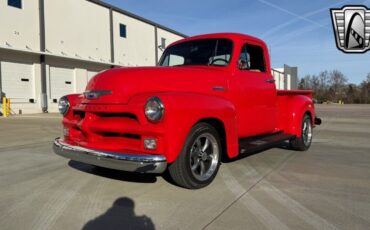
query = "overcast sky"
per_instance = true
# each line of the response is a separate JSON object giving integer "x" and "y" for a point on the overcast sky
{"x": 299, "y": 33}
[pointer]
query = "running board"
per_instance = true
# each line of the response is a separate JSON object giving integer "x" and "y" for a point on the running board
{"x": 254, "y": 144}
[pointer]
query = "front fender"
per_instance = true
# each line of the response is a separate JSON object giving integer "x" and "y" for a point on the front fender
{"x": 184, "y": 110}
{"x": 73, "y": 99}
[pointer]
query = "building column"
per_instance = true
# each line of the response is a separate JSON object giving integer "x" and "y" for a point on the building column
{"x": 111, "y": 36}
{"x": 44, "y": 97}
{"x": 292, "y": 73}
{"x": 156, "y": 44}
{"x": 1, "y": 86}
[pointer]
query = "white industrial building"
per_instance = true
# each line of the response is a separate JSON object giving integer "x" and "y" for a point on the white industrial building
{"x": 286, "y": 78}
{"x": 49, "y": 48}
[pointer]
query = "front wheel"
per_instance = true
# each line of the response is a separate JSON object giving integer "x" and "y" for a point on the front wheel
{"x": 304, "y": 142}
{"x": 199, "y": 161}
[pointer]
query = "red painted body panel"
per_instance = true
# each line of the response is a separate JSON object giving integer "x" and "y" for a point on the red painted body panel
{"x": 247, "y": 105}
{"x": 291, "y": 106}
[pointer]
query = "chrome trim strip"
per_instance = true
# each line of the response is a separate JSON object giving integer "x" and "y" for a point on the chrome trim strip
{"x": 124, "y": 162}
{"x": 96, "y": 94}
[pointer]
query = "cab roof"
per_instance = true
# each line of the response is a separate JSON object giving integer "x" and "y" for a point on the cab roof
{"x": 231, "y": 36}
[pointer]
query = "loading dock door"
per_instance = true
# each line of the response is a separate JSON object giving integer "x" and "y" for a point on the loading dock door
{"x": 61, "y": 82}
{"x": 18, "y": 81}
{"x": 91, "y": 74}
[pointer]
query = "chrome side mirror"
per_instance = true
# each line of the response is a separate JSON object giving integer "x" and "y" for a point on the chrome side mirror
{"x": 243, "y": 64}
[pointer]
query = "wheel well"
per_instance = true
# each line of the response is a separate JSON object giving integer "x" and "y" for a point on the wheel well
{"x": 309, "y": 114}
{"x": 220, "y": 128}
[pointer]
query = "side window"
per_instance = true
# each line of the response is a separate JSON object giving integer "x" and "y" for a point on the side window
{"x": 163, "y": 43}
{"x": 173, "y": 60}
{"x": 122, "y": 30}
{"x": 15, "y": 3}
{"x": 252, "y": 59}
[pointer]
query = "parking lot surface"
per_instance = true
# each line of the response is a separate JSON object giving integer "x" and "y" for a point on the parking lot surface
{"x": 327, "y": 187}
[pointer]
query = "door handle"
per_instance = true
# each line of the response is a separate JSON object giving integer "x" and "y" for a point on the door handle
{"x": 218, "y": 88}
{"x": 270, "y": 81}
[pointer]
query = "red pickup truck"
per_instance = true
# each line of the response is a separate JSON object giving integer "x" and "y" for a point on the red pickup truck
{"x": 211, "y": 97}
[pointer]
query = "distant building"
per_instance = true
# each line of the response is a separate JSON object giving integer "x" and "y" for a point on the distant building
{"x": 286, "y": 78}
{"x": 49, "y": 48}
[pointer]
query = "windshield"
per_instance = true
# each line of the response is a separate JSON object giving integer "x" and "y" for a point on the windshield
{"x": 215, "y": 52}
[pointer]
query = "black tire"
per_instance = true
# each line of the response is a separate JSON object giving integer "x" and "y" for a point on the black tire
{"x": 193, "y": 161}
{"x": 303, "y": 142}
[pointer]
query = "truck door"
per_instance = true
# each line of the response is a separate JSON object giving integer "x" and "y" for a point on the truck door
{"x": 257, "y": 93}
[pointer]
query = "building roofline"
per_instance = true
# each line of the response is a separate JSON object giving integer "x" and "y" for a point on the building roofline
{"x": 117, "y": 9}
{"x": 47, "y": 54}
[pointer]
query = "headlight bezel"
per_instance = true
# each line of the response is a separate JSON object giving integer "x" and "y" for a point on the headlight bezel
{"x": 63, "y": 105}
{"x": 158, "y": 115}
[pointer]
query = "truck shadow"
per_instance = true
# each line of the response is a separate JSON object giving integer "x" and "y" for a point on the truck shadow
{"x": 120, "y": 216}
{"x": 282, "y": 145}
{"x": 113, "y": 174}
{"x": 152, "y": 178}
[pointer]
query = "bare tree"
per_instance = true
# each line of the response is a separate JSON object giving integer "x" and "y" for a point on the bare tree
{"x": 333, "y": 86}
{"x": 337, "y": 82}
{"x": 321, "y": 91}
{"x": 365, "y": 89}
{"x": 353, "y": 94}
{"x": 305, "y": 83}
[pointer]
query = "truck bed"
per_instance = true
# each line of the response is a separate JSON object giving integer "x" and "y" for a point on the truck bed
{"x": 288, "y": 103}
{"x": 308, "y": 93}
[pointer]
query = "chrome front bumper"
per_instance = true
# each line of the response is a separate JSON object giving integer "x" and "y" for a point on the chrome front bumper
{"x": 125, "y": 162}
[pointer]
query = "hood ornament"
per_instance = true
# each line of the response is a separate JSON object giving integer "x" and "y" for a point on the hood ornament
{"x": 95, "y": 94}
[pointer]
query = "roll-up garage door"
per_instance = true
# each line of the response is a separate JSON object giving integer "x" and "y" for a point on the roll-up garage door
{"x": 18, "y": 81}
{"x": 91, "y": 74}
{"x": 61, "y": 82}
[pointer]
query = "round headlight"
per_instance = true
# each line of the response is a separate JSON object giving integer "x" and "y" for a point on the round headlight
{"x": 154, "y": 109}
{"x": 63, "y": 105}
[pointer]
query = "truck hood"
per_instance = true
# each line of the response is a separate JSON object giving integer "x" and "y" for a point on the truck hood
{"x": 124, "y": 83}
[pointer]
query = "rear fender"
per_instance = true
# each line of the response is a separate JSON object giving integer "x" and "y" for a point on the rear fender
{"x": 295, "y": 107}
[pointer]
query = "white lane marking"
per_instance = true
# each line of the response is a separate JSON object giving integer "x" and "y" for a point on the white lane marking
{"x": 269, "y": 220}
{"x": 298, "y": 209}
{"x": 259, "y": 211}
{"x": 358, "y": 209}
{"x": 232, "y": 184}
{"x": 355, "y": 208}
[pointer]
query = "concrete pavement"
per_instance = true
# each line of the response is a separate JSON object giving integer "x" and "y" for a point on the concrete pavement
{"x": 327, "y": 187}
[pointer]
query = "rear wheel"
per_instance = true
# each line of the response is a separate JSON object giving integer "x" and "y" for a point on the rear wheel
{"x": 199, "y": 161}
{"x": 304, "y": 142}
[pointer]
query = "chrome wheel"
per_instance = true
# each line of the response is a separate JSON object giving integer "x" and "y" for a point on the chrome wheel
{"x": 307, "y": 132}
{"x": 303, "y": 142}
{"x": 204, "y": 155}
{"x": 199, "y": 160}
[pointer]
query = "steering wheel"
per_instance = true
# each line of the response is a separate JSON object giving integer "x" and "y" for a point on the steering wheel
{"x": 218, "y": 59}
